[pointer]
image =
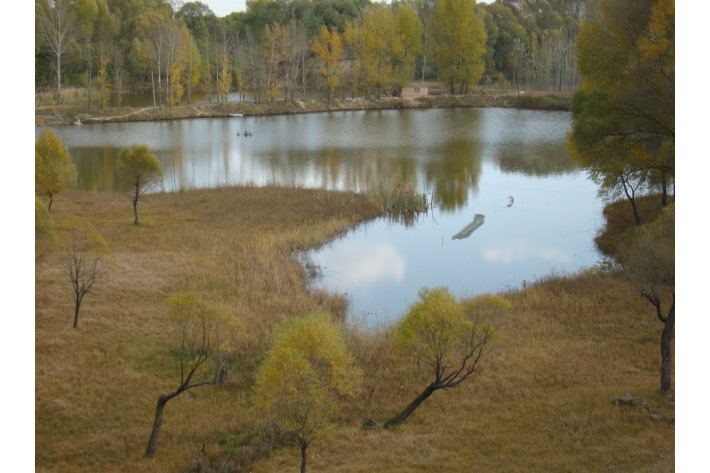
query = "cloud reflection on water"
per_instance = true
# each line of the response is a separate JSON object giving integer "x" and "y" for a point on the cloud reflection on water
{"x": 514, "y": 251}
{"x": 360, "y": 264}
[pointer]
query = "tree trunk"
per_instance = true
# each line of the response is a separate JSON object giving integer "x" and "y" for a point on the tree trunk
{"x": 664, "y": 194}
{"x": 666, "y": 352}
{"x": 637, "y": 218}
{"x": 157, "y": 423}
{"x": 407, "y": 411}
{"x": 304, "y": 457}
{"x": 152, "y": 82}
{"x": 630, "y": 196}
{"x": 76, "y": 312}
{"x": 135, "y": 206}
{"x": 51, "y": 199}
{"x": 59, "y": 78}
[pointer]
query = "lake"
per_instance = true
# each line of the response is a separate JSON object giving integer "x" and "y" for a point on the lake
{"x": 539, "y": 211}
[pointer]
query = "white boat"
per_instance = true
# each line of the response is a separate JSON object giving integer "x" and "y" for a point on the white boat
{"x": 236, "y": 115}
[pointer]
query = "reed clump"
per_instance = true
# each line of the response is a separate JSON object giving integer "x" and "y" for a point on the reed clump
{"x": 401, "y": 200}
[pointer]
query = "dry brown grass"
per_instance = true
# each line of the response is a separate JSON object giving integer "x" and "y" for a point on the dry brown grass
{"x": 96, "y": 387}
{"x": 541, "y": 403}
{"x": 619, "y": 217}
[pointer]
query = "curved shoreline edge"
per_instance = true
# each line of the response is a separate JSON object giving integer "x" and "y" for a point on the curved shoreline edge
{"x": 528, "y": 100}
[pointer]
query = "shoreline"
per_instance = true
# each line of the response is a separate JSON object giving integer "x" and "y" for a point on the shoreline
{"x": 481, "y": 99}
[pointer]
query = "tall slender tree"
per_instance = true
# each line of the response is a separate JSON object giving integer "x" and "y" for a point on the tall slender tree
{"x": 59, "y": 32}
{"x": 459, "y": 44}
{"x": 328, "y": 46}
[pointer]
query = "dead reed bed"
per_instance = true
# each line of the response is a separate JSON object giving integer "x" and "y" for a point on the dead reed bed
{"x": 542, "y": 401}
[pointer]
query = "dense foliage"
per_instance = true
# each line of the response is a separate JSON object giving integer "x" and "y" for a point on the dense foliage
{"x": 111, "y": 47}
{"x": 54, "y": 168}
{"x": 624, "y": 115}
{"x": 305, "y": 374}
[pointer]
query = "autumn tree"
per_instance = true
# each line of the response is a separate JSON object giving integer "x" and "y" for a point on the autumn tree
{"x": 103, "y": 46}
{"x": 328, "y": 46}
{"x": 376, "y": 43}
{"x": 459, "y": 43}
{"x": 409, "y": 29}
{"x": 446, "y": 338}
{"x": 85, "y": 260}
{"x": 623, "y": 117}
{"x": 306, "y": 372}
{"x": 54, "y": 168}
{"x": 203, "y": 337}
{"x": 58, "y": 32}
{"x": 275, "y": 49}
{"x": 140, "y": 169}
{"x": 648, "y": 261}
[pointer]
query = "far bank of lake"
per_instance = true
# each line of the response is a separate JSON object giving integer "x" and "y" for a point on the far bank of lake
{"x": 51, "y": 115}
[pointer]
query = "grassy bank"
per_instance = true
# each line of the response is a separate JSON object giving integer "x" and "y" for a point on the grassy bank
{"x": 541, "y": 403}
{"x": 480, "y": 98}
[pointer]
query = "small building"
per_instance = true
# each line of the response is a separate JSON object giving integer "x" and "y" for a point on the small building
{"x": 415, "y": 90}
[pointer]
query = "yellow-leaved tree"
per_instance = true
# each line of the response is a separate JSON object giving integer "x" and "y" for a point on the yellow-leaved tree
{"x": 378, "y": 45}
{"x": 140, "y": 169}
{"x": 54, "y": 168}
{"x": 446, "y": 338}
{"x": 275, "y": 51}
{"x": 459, "y": 43}
{"x": 328, "y": 46}
{"x": 224, "y": 76}
{"x": 306, "y": 373}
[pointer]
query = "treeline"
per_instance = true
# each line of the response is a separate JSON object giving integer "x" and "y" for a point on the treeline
{"x": 281, "y": 48}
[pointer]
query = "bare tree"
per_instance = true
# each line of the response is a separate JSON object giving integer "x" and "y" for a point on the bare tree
{"x": 58, "y": 32}
{"x": 648, "y": 262}
{"x": 85, "y": 262}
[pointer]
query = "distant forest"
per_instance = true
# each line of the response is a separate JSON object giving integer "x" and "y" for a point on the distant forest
{"x": 278, "y": 49}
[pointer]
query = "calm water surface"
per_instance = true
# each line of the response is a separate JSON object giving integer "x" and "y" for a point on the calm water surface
{"x": 540, "y": 211}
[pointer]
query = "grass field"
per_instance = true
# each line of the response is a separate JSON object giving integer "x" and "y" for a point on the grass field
{"x": 542, "y": 402}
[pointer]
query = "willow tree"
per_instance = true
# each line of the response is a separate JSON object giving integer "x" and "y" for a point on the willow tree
{"x": 446, "y": 338}
{"x": 307, "y": 371}
{"x": 203, "y": 336}
{"x": 623, "y": 117}
{"x": 459, "y": 43}
{"x": 140, "y": 169}
{"x": 54, "y": 168}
